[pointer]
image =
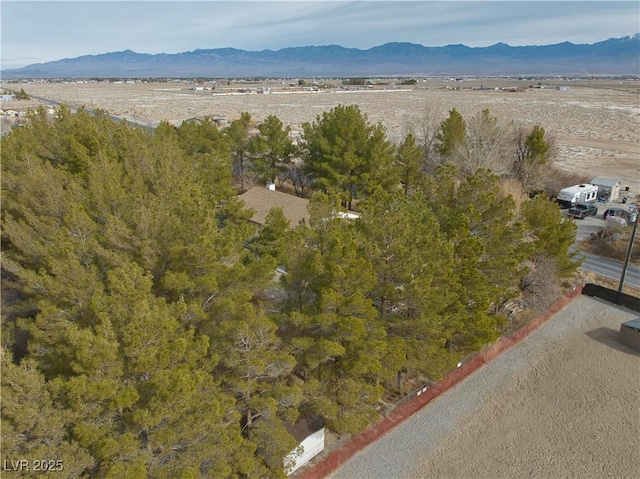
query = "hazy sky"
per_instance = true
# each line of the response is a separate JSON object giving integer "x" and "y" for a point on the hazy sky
{"x": 40, "y": 31}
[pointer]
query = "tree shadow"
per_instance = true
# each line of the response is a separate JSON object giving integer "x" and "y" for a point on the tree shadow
{"x": 609, "y": 337}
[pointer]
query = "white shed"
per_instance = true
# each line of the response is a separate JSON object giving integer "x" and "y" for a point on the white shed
{"x": 310, "y": 437}
{"x": 608, "y": 189}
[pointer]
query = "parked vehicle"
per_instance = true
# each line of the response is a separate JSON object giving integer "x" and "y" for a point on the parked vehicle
{"x": 617, "y": 215}
{"x": 577, "y": 194}
{"x": 581, "y": 211}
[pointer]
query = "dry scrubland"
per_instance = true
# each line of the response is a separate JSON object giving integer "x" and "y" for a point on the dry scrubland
{"x": 596, "y": 123}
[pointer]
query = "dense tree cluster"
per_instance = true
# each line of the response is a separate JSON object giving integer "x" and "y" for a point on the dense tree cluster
{"x": 139, "y": 340}
{"x": 22, "y": 95}
{"x": 484, "y": 141}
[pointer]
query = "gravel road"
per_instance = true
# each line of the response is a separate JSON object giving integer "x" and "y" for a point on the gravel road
{"x": 563, "y": 403}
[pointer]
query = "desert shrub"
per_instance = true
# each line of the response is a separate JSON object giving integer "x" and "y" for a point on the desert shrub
{"x": 613, "y": 242}
{"x": 513, "y": 187}
{"x": 541, "y": 285}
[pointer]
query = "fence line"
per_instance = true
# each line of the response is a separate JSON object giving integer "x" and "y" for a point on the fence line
{"x": 414, "y": 401}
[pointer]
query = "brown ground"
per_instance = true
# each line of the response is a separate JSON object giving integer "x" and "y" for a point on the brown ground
{"x": 596, "y": 123}
{"x": 572, "y": 411}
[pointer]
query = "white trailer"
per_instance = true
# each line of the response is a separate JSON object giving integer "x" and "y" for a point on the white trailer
{"x": 583, "y": 194}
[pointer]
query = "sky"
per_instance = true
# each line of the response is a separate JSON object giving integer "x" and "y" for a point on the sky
{"x": 41, "y": 31}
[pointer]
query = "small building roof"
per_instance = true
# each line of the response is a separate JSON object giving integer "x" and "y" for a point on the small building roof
{"x": 601, "y": 181}
{"x": 261, "y": 200}
{"x": 304, "y": 427}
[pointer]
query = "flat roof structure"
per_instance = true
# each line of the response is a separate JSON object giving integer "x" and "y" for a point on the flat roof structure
{"x": 601, "y": 181}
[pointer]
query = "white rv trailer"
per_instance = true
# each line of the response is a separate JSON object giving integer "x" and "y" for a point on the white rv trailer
{"x": 571, "y": 196}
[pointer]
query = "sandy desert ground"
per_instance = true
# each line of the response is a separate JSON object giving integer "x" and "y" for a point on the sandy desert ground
{"x": 596, "y": 123}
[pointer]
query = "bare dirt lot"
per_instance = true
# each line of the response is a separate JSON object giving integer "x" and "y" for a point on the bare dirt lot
{"x": 596, "y": 123}
{"x": 562, "y": 403}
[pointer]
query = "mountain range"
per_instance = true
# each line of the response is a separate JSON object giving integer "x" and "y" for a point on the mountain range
{"x": 615, "y": 56}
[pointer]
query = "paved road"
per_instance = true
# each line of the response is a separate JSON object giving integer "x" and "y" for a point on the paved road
{"x": 610, "y": 269}
{"x": 145, "y": 124}
{"x": 605, "y": 267}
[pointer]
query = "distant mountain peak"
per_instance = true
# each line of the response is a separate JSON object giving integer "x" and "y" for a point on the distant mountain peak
{"x": 615, "y": 56}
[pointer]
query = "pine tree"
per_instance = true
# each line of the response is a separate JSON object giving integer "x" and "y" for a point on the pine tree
{"x": 121, "y": 268}
{"x": 414, "y": 267}
{"x": 487, "y": 238}
{"x": 272, "y": 149}
{"x": 532, "y": 155}
{"x": 346, "y": 155}
{"x": 33, "y": 426}
{"x": 339, "y": 344}
{"x": 271, "y": 239}
{"x": 409, "y": 159}
{"x": 451, "y": 140}
{"x": 554, "y": 234}
{"x": 238, "y": 133}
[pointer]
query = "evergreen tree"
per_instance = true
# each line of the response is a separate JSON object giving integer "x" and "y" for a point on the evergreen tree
{"x": 238, "y": 133}
{"x": 137, "y": 319}
{"x": 272, "y": 149}
{"x": 271, "y": 239}
{"x": 33, "y": 426}
{"x": 257, "y": 369}
{"x": 122, "y": 262}
{"x": 339, "y": 344}
{"x": 200, "y": 137}
{"x": 346, "y": 155}
{"x": 486, "y": 237}
{"x": 415, "y": 287}
{"x": 554, "y": 234}
{"x": 22, "y": 95}
{"x": 532, "y": 156}
{"x": 409, "y": 160}
{"x": 451, "y": 140}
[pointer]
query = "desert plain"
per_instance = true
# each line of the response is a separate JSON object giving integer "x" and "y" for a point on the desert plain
{"x": 595, "y": 122}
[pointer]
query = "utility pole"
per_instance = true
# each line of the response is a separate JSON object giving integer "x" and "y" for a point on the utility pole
{"x": 627, "y": 258}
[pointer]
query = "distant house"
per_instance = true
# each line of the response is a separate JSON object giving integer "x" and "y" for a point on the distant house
{"x": 608, "y": 189}
{"x": 261, "y": 200}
